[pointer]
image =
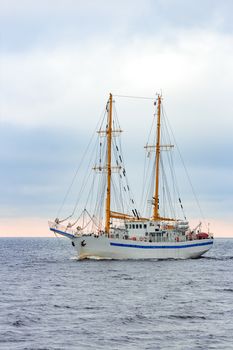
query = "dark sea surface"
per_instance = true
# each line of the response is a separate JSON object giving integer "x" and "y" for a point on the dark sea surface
{"x": 49, "y": 300}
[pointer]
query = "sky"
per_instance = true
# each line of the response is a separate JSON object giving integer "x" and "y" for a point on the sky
{"x": 59, "y": 60}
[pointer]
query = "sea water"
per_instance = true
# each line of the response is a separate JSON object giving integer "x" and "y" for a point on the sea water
{"x": 49, "y": 300}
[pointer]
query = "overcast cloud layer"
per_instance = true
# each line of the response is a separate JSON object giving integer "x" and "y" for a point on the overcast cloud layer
{"x": 59, "y": 61}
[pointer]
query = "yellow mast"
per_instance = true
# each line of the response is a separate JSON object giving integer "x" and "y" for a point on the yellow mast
{"x": 108, "y": 165}
{"x": 156, "y": 194}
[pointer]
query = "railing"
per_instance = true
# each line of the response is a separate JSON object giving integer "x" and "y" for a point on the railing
{"x": 62, "y": 228}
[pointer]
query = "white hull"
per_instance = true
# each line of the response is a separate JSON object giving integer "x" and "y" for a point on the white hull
{"x": 108, "y": 248}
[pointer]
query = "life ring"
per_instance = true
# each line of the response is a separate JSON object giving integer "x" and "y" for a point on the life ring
{"x": 83, "y": 243}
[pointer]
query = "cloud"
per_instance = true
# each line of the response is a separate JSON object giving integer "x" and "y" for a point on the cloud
{"x": 59, "y": 61}
{"x": 37, "y": 166}
{"x": 67, "y": 84}
{"x": 27, "y": 25}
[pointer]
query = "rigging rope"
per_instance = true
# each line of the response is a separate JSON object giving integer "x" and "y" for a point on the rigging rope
{"x": 186, "y": 171}
{"x": 79, "y": 166}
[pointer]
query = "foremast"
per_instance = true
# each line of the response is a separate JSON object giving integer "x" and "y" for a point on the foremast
{"x": 108, "y": 213}
{"x": 108, "y": 166}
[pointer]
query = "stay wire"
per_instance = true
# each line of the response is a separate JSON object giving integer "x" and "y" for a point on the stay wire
{"x": 131, "y": 195}
{"x": 186, "y": 171}
{"x": 79, "y": 166}
{"x": 147, "y": 155}
{"x": 135, "y": 97}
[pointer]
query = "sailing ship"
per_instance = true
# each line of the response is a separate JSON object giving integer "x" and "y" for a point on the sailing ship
{"x": 112, "y": 234}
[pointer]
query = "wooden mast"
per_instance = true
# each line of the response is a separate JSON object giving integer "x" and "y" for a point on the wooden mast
{"x": 157, "y": 159}
{"x": 108, "y": 166}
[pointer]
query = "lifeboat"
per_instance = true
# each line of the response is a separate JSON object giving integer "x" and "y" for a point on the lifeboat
{"x": 202, "y": 235}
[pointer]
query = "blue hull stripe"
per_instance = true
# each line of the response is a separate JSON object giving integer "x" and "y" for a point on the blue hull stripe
{"x": 62, "y": 233}
{"x": 160, "y": 246}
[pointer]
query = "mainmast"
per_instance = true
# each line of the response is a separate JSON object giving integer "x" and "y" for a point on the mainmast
{"x": 108, "y": 165}
{"x": 157, "y": 159}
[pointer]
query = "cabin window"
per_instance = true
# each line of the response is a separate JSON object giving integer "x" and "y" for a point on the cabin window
{"x": 140, "y": 226}
{"x": 136, "y": 225}
{"x": 129, "y": 225}
{"x": 144, "y": 225}
{"x": 133, "y": 226}
{"x": 126, "y": 226}
{"x": 151, "y": 224}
